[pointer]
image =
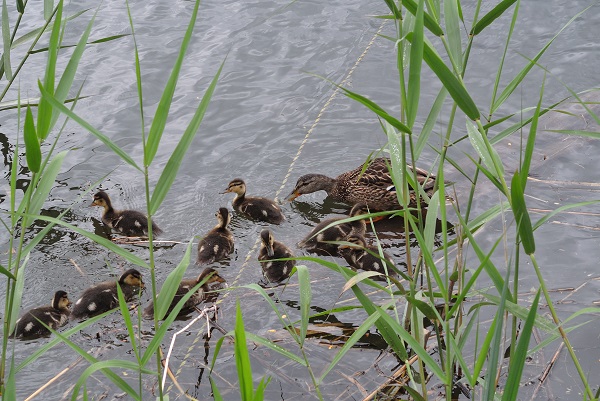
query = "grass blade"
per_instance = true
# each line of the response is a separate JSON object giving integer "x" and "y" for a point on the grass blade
{"x": 46, "y": 183}
{"x": 170, "y": 171}
{"x": 33, "y": 151}
{"x": 242, "y": 358}
{"x": 305, "y": 300}
{"x": 162, "y": 112}
{"x": 430, "y": 22}
{"x": 169, "y": 288}
{"x": 414, "y": 70}
{"x": 17, "y": 294}
{"x": 452, "y": 22}
{"x": 491, "y": 16}
{"x": 104, "y": 366}
{"x": 48, "y": 7}
{"x": 274, "y": 347}
{"x": 519, "y": 208}
{"x": 528, "y": 155}
{"x": 6, "y": 41}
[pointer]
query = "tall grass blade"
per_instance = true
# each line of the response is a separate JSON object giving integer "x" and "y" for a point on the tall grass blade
{"x": 35, "y": 32}
{"x": 430, "y": 122}
{"x": 274, "y": 347}
{"x": 452, "y": 22}
{"x": 451, "y": 82}
{"x": 48, "y": 7}
{"x": 17, "y": 294}
{"x": 242, "y": 358}
{"x": 33, "y": 151}
{"x": 44, "y": 108}
{"x": 46, "y": 183}
{"x": 215, "y": 391}
{"x": 104, "y": 366}
{"x": 123, "y": 308}
{"x": 528, "y": 155}
{"x": 6, "y": 42}
{"x": 518, "y": 358}
{"x": 514, "y": 83}
{"x": 103, "y": 138}
{"x": 169, "y": 288}
{"x": 561, "y": 209}
{"x": 305, "y": 300}
{"x": 519, "y": 208}
{"x": 20, "y": 7}
{"x": 491, "y": 16}
{"x": 162, "y": 112}
{"x": 393, "y": 9}
{"x": 430, "y": 22}
{"x": 170, "y": 171}
{"x": 414, "y": 70}
{"x": 487, "y": 152}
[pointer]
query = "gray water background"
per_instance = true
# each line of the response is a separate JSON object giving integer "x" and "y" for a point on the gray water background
{"x": 266, "y": 100}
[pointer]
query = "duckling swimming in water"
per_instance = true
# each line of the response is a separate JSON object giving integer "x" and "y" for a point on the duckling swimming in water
{"x": 208, "y": 275}
{"x": 256, "y": 208}
{"x": 218, "y": 243}
{"x": 314, "y": 242}
{"x": 358, "y": 256}
{"x": 103, "y": 296}
{"x": 130, "y": 223}
{"x": 275, "y": 271}
{"x": 373, "y": 186}
{"x": 56, "y": 315}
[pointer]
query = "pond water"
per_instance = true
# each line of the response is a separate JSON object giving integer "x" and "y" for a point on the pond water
{"x": 266, "y": 101}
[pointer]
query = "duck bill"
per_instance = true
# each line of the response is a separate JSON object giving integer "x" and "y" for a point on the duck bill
{"x": 225, "y": 191}
{"x": 293, "y": 195}
{"x": 94, "y": 203}
{"x": 270, "y": 252}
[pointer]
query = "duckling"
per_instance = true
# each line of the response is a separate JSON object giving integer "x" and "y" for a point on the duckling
{"x": 314, "y": 242}
{"x": 218, "y": 243}
{"x": 374, "y": 186}
{"x": 103, "y": 296}
{"x": 278, "y": 271}
{"x": 208, "y": 275}
{"x": 256, "y": 208}
{"x": 56, "y": 315}
{"x": 358, "y": 256}
{"x": 130, "y": 223}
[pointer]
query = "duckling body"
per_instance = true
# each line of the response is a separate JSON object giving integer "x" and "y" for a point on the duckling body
{"x": 256, "y": 208}
{"x": 315, "y": 241}
{"x": 374, "y": 186}
{"x": 275, "y": 271}
{"x": 54, "y": 316}
{"x": 103, "y": 297}
{"x": 130, "y": 223}
{"x": 217, "y": 244}
{"x": 358, "y": 257}
{"x": 210, "y": 276}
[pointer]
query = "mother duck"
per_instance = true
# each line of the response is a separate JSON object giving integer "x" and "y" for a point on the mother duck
{"x": 373, "y": 186}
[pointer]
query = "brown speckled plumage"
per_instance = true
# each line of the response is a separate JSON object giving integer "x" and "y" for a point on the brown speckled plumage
{"x": 374, "y": 186}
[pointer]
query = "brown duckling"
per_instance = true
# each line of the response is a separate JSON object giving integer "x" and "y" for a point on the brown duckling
{"x": 103, "y": 296}
{"x": 357, "y": 256}
{"x": 130, "y": 223}
{"x": 274, "y": 271}
{"x": 208, "y": 275}
{"x": 218, "y": 243}
{"x": 314, "y": 242}
{"x": 374, "y": 186}
{"x": 256, "y": 208}
{"x": 56, "y": 315}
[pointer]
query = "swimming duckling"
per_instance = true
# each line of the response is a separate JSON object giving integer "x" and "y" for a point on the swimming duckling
{"x": 358, "y": 257}
{"x": 210, "y": 276}
{"x": 130, "y": 223}
{"x": 277, "y": 271}
{"x": 54, "y": 316}
{"x": 374, "y": 186}
{"x": 314, "y": 242}
{"x": 103, "y": 296}
{"x": 218, "y": 243}
{"x": 256, "y": 208}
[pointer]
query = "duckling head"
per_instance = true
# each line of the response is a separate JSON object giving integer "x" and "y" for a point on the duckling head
{"x": 355, "y": 240}
{"x": 61, "y": 300}
{"x": 237, "y": 186}
{"x": 132, "y": 277}
{"x": 358, "y": 209}
{"x": 267, "y": 240}
{"x": 223, "y": 217}
{"x": 101, "y": 199}
{"x": 211, "y": 276}
{"x": 309, "y": 183}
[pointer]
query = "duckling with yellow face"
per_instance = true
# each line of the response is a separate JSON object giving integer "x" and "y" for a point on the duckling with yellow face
{"x": 217, "y": 244}
{"x": 130, "y": 223}
{"x": 209, "y": 278}
{"x": 253, "y": 207}
{"x": 103, "y": 296}
{"x": 274, "y": 271}
{"x": 357, "y": 255}
{"x": 54, "y": 316}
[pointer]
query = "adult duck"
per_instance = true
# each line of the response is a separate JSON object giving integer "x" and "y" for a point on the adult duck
{"x": 373, "y": 186}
